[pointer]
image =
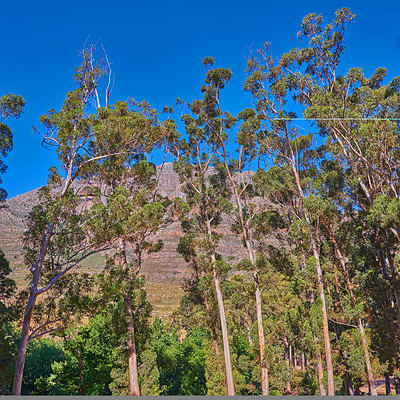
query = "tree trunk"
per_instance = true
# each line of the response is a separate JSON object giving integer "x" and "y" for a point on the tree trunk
{"x": 327, "y": 342}
{"x": 303, "y": 361}
{"x": 394, "y": 281}
{"x": 320, "y": 373}
{"x": 397, "y": 384}
{"x": 225, "y": 341}
{"x": 252, "y": 258}
{"x": 19, "y": 367}
{"x": 261, "y": 338}
{"x": 387, "y": 383}
{"x": 288, "y": 359}
{"x": 348, "y": 386}
{"x": 132, "y": 356}
{"x": 315, "y": 248}
{"x": 212, "y": 327}
{"x": 360, "y": 323}
{"x": 228, "y": 366}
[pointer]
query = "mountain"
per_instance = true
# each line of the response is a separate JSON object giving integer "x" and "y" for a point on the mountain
{"x": 164, "y": 266}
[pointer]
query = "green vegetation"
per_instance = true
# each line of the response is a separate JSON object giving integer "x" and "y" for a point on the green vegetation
{"x": 313, "y": 305}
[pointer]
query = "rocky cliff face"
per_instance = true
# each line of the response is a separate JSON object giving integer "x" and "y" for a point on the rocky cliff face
{"x": 165, "y": 265}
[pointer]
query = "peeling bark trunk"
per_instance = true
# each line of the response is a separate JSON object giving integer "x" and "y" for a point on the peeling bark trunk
{"x": 228, "y": 366}
{"x": 132, "y": 356}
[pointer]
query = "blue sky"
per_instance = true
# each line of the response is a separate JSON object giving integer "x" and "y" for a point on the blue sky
{"x": 157, "y": 50}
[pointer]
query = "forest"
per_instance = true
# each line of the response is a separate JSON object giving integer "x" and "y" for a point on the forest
{"x": 308, "y": 176}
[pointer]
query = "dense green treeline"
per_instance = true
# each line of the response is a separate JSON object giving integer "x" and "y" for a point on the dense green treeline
{"x": 307, "y": 175}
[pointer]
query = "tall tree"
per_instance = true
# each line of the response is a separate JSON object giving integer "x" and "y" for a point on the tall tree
{"x": 218, "y": 125}
{"x": 59, "y": 230}
{"x": 131, "y": 210}
{"x": 206, "y": 195}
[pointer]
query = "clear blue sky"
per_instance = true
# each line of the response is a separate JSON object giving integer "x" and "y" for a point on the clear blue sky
{"x": 157, "y": 50}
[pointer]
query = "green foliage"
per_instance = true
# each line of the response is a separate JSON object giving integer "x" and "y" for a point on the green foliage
{"x": 11, "y": 106}
{"x": 8, "y": 354}
{"x": 320, "y": 216}
{"x": 304, "y": 383}
{"x": 88, "y": 358}
{"x": 40, "y": 356}
{"x": 175, "y": 366}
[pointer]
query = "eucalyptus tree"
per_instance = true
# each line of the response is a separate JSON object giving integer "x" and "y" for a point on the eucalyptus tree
{"x": 11, "y": 106}
{"x": 219, "y": 128}
{"x": 338, "y": 108}
{"x": 206, "y": 193}
{"x": 60, "y": 236}
{"x": 300, "y": 72}
{"x": 291, "y": 254}
{"x": 130, "y": 209}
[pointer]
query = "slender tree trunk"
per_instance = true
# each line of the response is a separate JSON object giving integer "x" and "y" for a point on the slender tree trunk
{"x": 287, "y": 357}
{"x": 252, "y": 258}
{"x": 387, "y": 383}
{"x": 320, "y": 373}
{"x": 370, "y": 374}
{"x": 348, "y": 386}
{"x": 19, "y": 367}
{"x": 397, "y": 384}
{"x": 261, "y": 338}
{"x": 214, "y": 333}
{"x": 360, "y": 323}
{"x": 315, "y": 248}
{"x": 132, "y": 356}
{"x": 303, "y": 361}
{"x": 228, "y": 366}
{"x": 327, "y": 342}
{"x": 394, "y": 281}
{"x": 225, "y": 341}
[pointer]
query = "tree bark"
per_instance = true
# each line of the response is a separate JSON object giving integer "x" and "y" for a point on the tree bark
{"x": 228, "y": 366}
{"x": 320, "y": 373}
{"x": 132, "y": 356}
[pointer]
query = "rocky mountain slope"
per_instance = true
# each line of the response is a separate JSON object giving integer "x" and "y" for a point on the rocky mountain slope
{"x": 164, "y": 266}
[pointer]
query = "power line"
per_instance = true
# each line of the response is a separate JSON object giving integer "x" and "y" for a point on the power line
{"x": 335, "y": 119}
